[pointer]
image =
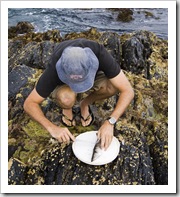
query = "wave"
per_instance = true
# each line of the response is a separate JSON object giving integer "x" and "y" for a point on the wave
{"x": 70, "y": 20}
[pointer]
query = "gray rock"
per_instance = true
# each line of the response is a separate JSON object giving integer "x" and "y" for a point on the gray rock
{"x": 34, "y": 54}
{"x": 132, "y": 52}
{"x": 18, "y": 78}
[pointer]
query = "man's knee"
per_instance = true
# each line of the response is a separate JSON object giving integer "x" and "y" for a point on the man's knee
{"x": 65, "y": 97}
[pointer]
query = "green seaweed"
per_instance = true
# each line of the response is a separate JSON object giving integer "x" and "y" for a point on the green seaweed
{"x": 34, "y": 130}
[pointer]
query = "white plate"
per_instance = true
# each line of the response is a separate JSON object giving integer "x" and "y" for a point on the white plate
{"x": 83, "y": 149}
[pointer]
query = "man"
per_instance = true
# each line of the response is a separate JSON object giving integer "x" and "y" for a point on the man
{"x": 78, "y": 66}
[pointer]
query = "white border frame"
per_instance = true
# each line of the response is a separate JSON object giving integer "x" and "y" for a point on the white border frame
{"x": 171, "y": 187}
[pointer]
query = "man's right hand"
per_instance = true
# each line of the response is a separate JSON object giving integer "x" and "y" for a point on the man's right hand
{"x": 62, "y": 134}
{"x": 31, "y": 106}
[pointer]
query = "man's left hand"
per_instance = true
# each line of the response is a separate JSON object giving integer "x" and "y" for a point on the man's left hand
{"x": 105, "y": 133}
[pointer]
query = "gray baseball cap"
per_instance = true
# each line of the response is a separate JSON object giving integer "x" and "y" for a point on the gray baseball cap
{"x": 77, "y": 68}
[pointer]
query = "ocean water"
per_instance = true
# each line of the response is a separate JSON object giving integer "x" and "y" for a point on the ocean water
{"x": 77, "y": 20}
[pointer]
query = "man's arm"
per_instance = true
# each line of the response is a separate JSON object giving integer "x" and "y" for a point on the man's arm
{"x": 121, "y": 83}
{"x": 31, "y": 106}
{"x": 126, "y": 94}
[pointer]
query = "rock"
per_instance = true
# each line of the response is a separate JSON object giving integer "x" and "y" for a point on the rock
{"x": 132, "y": 52}
{"x": 139, "y": 51}
{"x": 18, "y": 78}
{"x": 21, "y": 81}
{"x": 150, "y": 117}
{"x": 14, "y": 46}
{"x": 35, "y": 55}
{"x": 14, "y": 49}
{"x": 135, "y": 53}
{"x": 21, "y": 174}
{"x": 37, "y": 158}
{"x": 125, "y": 15}
{"x": 91, "y": 34}
{"x": 150, "y": 15}
{"x": 112, "y": 43}
{"x": 16, "y": 172}
{"x": 20, "y": 28}
{"x": 32, "y": 49}
{"x": 59, "y": 166}
{"x": 110, "y": 40}
{"x": 27, "y": 28}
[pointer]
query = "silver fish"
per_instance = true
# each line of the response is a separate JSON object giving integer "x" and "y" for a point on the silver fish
{"x": 97, "y": 151}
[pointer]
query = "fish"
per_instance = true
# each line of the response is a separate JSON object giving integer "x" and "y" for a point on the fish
{"x": 97, "y": 151}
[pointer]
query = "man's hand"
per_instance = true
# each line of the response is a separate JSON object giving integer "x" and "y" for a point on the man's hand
{"x": 61, "y": 134}
{"x": 31, "y": 106}
{"x": 105, "y": 133}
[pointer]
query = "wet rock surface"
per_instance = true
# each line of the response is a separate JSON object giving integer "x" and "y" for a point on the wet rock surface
{"x": 20, "y": 28}
{"x": 36, "y": 158}
{"x": 124, "y": 14}
{"x": 17, "y": 78}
